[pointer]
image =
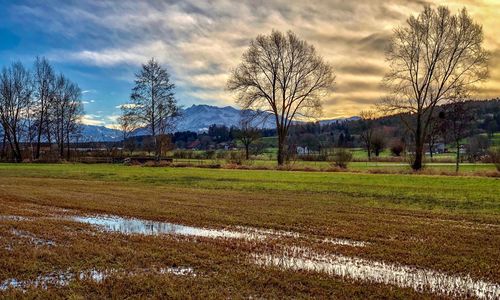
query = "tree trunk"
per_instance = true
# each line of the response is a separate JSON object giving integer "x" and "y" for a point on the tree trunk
{"x": 457, "y": 163}
{"x": 68, "y": 149}
{"x": 17, "y": 151}
{"x": 247, "y": 150}
{"x": 39, "y": 136}
{"x": 419, "y": 146}
{"x": 281, "y": 151}
{"x": 2, "y": 154}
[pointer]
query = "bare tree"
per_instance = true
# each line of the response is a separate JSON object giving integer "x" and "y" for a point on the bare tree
{"x": 247, "y": 135}
{"x": 368, "y": 128}
{"x": 378, "y": 142}
{"x": 127, "y": 125}
{"x": 456, "y": 121}
{"x": 435, "y": 132}
{"x": 43, "y": 79}
{"x": 65, "y": 112}
{"x": 431, "y": 56}
{"x": 284, "y": 75}
{"x": 152, "y": 101}
{"x": 15, "y": 102}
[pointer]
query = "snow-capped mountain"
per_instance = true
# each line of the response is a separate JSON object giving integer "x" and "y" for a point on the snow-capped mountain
{"x": 195, "y": 118}
{"x": 199, "y": 117}
{"x": 93, "y": 133}
{"x": 337, "y": 120}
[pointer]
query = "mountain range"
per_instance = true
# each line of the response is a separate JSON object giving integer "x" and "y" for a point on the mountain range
{"x": 195, "y": 118}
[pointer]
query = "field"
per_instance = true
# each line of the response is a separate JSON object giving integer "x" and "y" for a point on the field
{"x": 388, "y": 167}
{"x": 253, "y": 233}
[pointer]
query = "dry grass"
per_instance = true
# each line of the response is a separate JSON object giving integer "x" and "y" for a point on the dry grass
{"x": 448, "y": 240}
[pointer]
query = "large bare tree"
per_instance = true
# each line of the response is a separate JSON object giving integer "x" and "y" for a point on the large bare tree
{"x": 430, "y": 57}
{"x": 43, "y": 79}
{"x": 15, "y": 104}
{"x": 65, "y": 111}
{"x": 152, "y": 102}
{"x": 285, "y": 76}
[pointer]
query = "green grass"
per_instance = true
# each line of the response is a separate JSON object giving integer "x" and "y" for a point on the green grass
{"x": 429, "y": 192}
{"x": 357, "y": 166}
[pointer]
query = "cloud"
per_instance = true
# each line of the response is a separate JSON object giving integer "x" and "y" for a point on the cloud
{"x": 91, "y": 119}
{"x": 200, "y": 41}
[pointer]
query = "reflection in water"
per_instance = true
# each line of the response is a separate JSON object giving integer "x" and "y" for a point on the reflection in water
{"x": 138, "y": 226}
{"x": 403, "y": 276}
{"x": 130, "y": 226}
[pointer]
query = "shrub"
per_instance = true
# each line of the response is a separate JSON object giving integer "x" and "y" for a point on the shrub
{"x": 397, "y": 148}
{"x": 494, "y": 157}
{"x": 210, "y": 154}
{"x": 235, "y": 157}
{"x": 341, "y": 157}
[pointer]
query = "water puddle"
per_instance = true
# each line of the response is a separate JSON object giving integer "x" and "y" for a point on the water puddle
{"x": 420, "y": 280}
{"x": 138, "y": 226}
{"x": 346, "y": 242}
{"x": 53, "y": 279}
{"x": 179, "y": 271}
{"x": 32, "y": 238}
{"x": 64, "y": 278}
{"x": 12, "y": 218}
{"x": 145, "y": 227}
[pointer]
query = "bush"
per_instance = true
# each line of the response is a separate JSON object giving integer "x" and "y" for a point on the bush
{"x": 494, "y": 157}
{"x": 341, "y": 157}
{"x": 313, "y": 157}
{"x": 397, "y": 148}
{"x": 210, "y": 154}
{"x": 235, "y": 157}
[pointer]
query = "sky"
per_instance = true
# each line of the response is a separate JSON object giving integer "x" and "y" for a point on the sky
{"x": 101, "y": 44}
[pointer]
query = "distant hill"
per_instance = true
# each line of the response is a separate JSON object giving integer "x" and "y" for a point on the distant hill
{"x": 199, "y": 117}
{"x": 195, "y": 118}
{"x": 93, "y": 133}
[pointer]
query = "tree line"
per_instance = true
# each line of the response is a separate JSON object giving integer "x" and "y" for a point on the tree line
{"x": 38, "y": 107}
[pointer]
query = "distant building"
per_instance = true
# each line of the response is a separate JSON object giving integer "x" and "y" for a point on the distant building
{"x": 302, "y": 150}
{"x": 194, "y": 145}
{"x": 438, "y": 148}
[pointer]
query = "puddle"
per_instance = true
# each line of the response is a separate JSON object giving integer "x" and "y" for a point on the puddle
{"x": 137, "y": 226}
{"x": 12, "y": 218}
{"x": 180, "y": 271}
{"x": 32, "y": 238}
{"x": 64, "y": 278}
{"x": 420, "y": 280}
{"x": 60, "y": 279}
{"x": 346, "y": 242}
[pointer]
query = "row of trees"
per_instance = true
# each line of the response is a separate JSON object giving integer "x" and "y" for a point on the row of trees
{"x": 435, "y": 58}
{"x": 37, "y": 107}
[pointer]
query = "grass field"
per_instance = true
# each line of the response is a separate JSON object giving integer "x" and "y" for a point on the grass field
{"x": 449, "y": 225}
{"x": 357, "y": 166}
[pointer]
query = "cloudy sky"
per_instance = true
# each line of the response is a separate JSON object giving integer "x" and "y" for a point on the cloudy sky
{"x": 100, "y": 44}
